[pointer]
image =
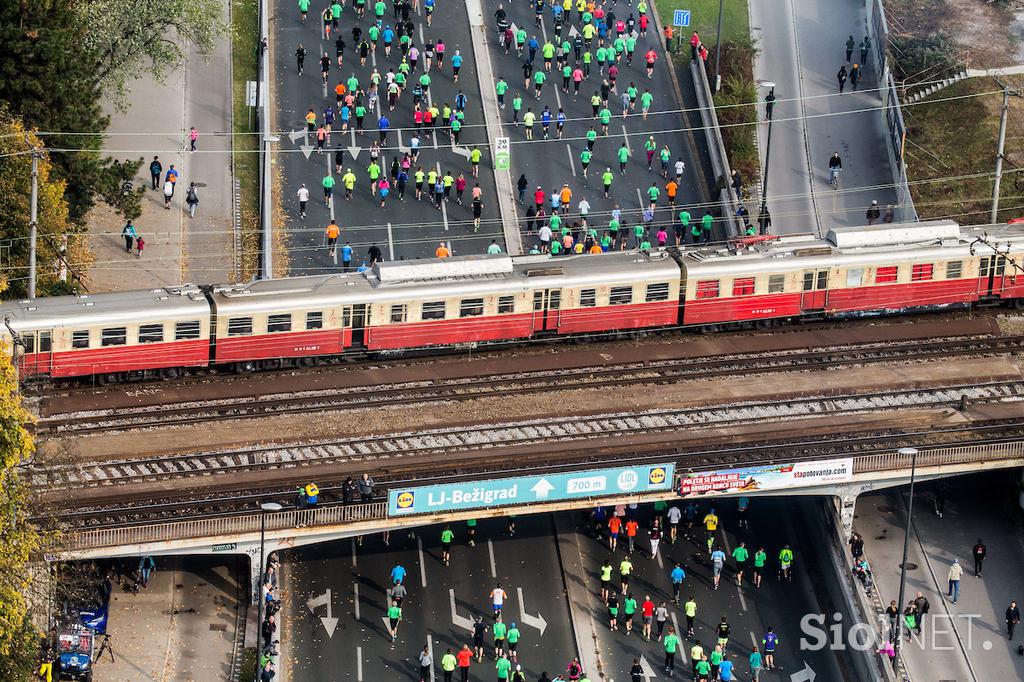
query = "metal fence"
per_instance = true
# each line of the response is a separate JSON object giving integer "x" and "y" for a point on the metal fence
{"x": 328, "y": 515}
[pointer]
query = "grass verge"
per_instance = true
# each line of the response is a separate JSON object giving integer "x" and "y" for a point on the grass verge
{"x": 934, "y": 156}
{"x": 704, "y": 19}
{"x": 245, "y": 30}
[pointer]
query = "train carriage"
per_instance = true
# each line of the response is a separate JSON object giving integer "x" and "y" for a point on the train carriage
{"x": 111, "y": 335}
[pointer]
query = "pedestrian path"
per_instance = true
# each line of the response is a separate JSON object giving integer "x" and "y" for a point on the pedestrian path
{"x": 180, "y": 627}
{"x": 156, "y": 123}
{"x": 967, "y": 640}
{"x": 801, "y": 47}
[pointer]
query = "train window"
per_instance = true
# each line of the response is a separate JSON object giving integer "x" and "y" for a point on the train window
{"x": 240, "y": 326}
{"x": 707, "y": 288}
{"x": 346, "y": 316}
{"x": 886, "y": 275}
{"x": 80, "y": 339}
{"x": 921, "y": 272}
{"x": 29, "y": 342}
{"x": 538, "y": 300}
{"x": 588, "y": 298}
{"x": 471, "y": 307}
{"x": 554, "y": 299}
{"x": 186, "y": 330}
{"x": 315, "y": 320}
{"x": 398, "y": 313}
{"x": 776, "y": 284}
{"x": 620, "y": 295}
{"x": 151, "y": 333}
{"x": 822, "y": 279}
{"x": 657, "y": 292}
{"x": 954, "y": 269}
{"x": 433, "y": 310}
{"x": 45, "y": 345}
{"x": 506, "y": 305}
{"x": 114, "y": 336}
{"x": 809, "y": 281}
{"x": 854, "y": 277}
{"x": 743, "y": 286}
{"x": 279, "y": 323}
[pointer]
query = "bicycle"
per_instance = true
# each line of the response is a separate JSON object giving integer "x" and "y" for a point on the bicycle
{"x": 833, "y": 178}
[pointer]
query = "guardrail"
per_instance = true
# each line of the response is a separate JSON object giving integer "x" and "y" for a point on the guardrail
{"x": 327, "y": 515}
{"x": 727, "y": 199}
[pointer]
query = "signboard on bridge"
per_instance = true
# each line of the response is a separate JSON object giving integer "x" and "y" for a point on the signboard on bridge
{"x": 681, "y": 17}
{"x": 531, "y": 489}
{"x": 502, "y": 153}
{"x": 767, "y": 477}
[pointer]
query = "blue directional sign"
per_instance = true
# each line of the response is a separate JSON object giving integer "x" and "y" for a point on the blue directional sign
{"x": 681, "y": 17}
{"x": 530, "y": 489}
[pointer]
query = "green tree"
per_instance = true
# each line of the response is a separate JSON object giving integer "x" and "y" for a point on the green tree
{"x": 20, "y": 540}
{"x": 121, "y": 34}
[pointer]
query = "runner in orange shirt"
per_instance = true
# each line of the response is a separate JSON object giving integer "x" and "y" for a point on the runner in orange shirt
{"x": 442, "y": 251}
{"x": 631, "y": 529}
{"x": 614, "y": 526}
{"x": 332, "y": 236}
{"x": 671, "y": 187}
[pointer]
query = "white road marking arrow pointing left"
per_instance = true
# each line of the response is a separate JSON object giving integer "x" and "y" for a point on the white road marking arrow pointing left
{"x": 457, "y": 620}
{"x": 329, "y": 621}
{"x": 296, "y": 134}
{"x": 533, "y": 621}
{"x": 648, "y": 671}
{"x": 805, "y": 675}
{"x": 542, "y": 487}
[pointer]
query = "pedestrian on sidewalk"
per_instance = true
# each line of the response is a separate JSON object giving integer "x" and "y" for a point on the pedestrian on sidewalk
{"x": 168, "y": 193}
{"x": 129, "y": 234}
{"x": 850, "y": 44}
{"x": 956, "y": 572}
{"x": 841, "y": 77}
{"x": 191, "y": 199}
{"x": 940, "y": 499}
{"x": 140, "y": 244}
{"x": 865, "y": 47}
{"x": 146, "y": 566}
{"x": 155, "y": 168}
{"x": 890, "y": 214}
{"x": 921, "y": 609}
{"x": 856, "y": 546}
{"x": 873, "y": 214}
{"x": 694, "y": 45}
{"x": 910, "y": 619}
{"x": 893, "y": 612}
{"x": 979, "y": 553}
{"x": 193, "y": 137}
{"x": 1012, "y": 618}
{"x": 426, "y": 663}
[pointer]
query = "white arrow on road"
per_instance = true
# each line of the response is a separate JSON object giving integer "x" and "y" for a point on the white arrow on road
{"x": 647, "y": 670}
{"x": 573, "y": 32}
{"x": 805, "y": 675}
{"x": 533, "y": 621}
{"x": 461, "y": 151}
{"x": 402, "y": 149}
{"x": 354, "y": 148}
{"x": 296, "y": 134}
{"x": 542, "y": 487}
{"x": 330, "y": 622}
{"x": 307, "y": 149}
{"x": 457, "y": 620}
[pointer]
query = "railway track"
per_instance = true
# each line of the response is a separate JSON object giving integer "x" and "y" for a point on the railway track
{"x": 129, "y": 510}
{"x": 520, "y": 382}
{"x": 441, "y": 443}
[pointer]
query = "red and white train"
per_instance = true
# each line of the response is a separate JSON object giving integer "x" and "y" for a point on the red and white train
{"x": 472, "y": 300}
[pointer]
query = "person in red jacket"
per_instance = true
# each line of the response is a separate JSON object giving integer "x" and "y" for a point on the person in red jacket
{"x": 539, "y": 197}
{"x": 694, "y": 44}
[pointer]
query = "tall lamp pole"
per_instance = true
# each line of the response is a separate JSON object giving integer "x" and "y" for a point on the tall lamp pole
{"x": 718, "y": 48}
{"x": 912, "y": 453}
{"x": 763, "y": 217}
{"x": 264, "y": 508}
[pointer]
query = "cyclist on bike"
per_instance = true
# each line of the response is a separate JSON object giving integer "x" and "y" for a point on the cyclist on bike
{"x": 835, "y": 164}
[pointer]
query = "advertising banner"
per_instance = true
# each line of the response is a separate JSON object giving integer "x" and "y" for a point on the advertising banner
{"x": 767, "y": 477}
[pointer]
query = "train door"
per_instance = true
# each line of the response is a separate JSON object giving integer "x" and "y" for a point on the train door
{"x": 355, "y": 316}
{"x": 990, "y": 275}
{"x": 37, "y": 354}
{"x": 815, "y": 290}
{"x": 547, "y": 306}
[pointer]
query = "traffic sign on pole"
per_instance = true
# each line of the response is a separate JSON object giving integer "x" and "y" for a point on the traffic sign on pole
{"x": 502, "y": 153}
{"x": 681, "y": 17}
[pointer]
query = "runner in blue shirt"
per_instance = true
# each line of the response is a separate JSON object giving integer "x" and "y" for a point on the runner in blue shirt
{"x": 717, "y": 562}
{"x": 677, "y": 575}
{"x": 770, "y": 641}
{"x": 725, "y": 673}
{"x": 560, "y": 122}
{"x": 397, "y": 574}
{"x": 346, "y": 257}
{"x": 545, "y": 121}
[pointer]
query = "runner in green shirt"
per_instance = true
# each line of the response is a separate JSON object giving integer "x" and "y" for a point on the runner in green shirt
{"x": 500, "y": 633}
{"x": 703, "y": 669}
{"x": 470, "y": 523}
{"x": 623, "y": 155}
{"x": 513, "y": 640}
{"x": 690, "y": 611}
{"x": 446, "y": 545}
{"x": 538, "y": 82}
{"x": 500, "y": 88}
{"x": 503, "y": 667}
{"x": 328, "y": 183}
{"x": 606, "y": 577}
{"x": 671, "y": 645}
{"x": 646, "y": 100}
{"x": 585, "y": 157}
{"x": 628, "y": 609}
{"x": 759, "y": 558}
{"x": 517, "y": 106}
{"x": 448, "y": 664}
{"x": 606, "y": 117}
{"x": 303, "y": 9}
{"x": 394, "y": 618}
{"x": 652, "y": 194}
{"x": 705, "y": 226}
{"x": 591, "y": 138}
{"x": 606, "y": 180}
{"x": 740, "y": 554}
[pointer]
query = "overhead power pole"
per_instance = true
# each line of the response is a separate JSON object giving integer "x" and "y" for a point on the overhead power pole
{"x": 33, "y": 217}
{"x": 1007, "y": 91}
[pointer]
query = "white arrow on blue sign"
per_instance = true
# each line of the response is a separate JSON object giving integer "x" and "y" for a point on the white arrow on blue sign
{"x": 681, "y": 17}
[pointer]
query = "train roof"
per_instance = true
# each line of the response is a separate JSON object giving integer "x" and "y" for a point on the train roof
{"x": 867, "y": 246}
{"x": 434, "y": 278}
{"x": 123, "y": 307}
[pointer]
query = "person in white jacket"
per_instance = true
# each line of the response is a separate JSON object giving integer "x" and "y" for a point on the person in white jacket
{"x": 956, "y": 572}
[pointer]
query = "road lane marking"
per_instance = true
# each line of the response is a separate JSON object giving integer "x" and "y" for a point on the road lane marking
{"x": 728, "y": 553}
{"x": 359, "y": 664}
{"x": 355, "y": 590}
{"x": 391, "y": 243}
{"x": 430, "y": 652}
{"x": 572, "y": 163}
{"x": 675, "y": 623}
{"x": 640, "y": 199}
{"x": 490, "y": 552}
{"x": 354, "y": 553}
{"x": 444, "y": 209}
{"x": 330, "y": 205}
{"x": 423, "y": 567}
{"x": 661, "y": 564}
{"x": 625, "y": 138}
{"x": 558, "y": 98}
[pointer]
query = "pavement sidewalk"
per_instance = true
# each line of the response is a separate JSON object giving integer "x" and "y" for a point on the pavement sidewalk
{"x": 801, "y": 47}
{"x": 966, "y": 641}
{"x": 179, "y": 628}
{"x": 178, "y": 249}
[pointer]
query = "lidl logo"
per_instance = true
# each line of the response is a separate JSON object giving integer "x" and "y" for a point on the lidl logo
{"x": 406, "y": 500}
{"x": 656, "y": 476}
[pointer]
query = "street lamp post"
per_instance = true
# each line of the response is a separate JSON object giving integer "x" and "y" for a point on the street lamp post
{"x": 264, "y": 508}
{"x": 912, "y": 453}
{"x": 763, "y": 217}
{"x": 718, "y": 49}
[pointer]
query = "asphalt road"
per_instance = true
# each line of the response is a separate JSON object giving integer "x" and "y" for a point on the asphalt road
{"x": 401, "y": 229}
{"x": 750, "y": 611}
{"x": 361, "y": 649}
{"x": 550, "y": 163}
